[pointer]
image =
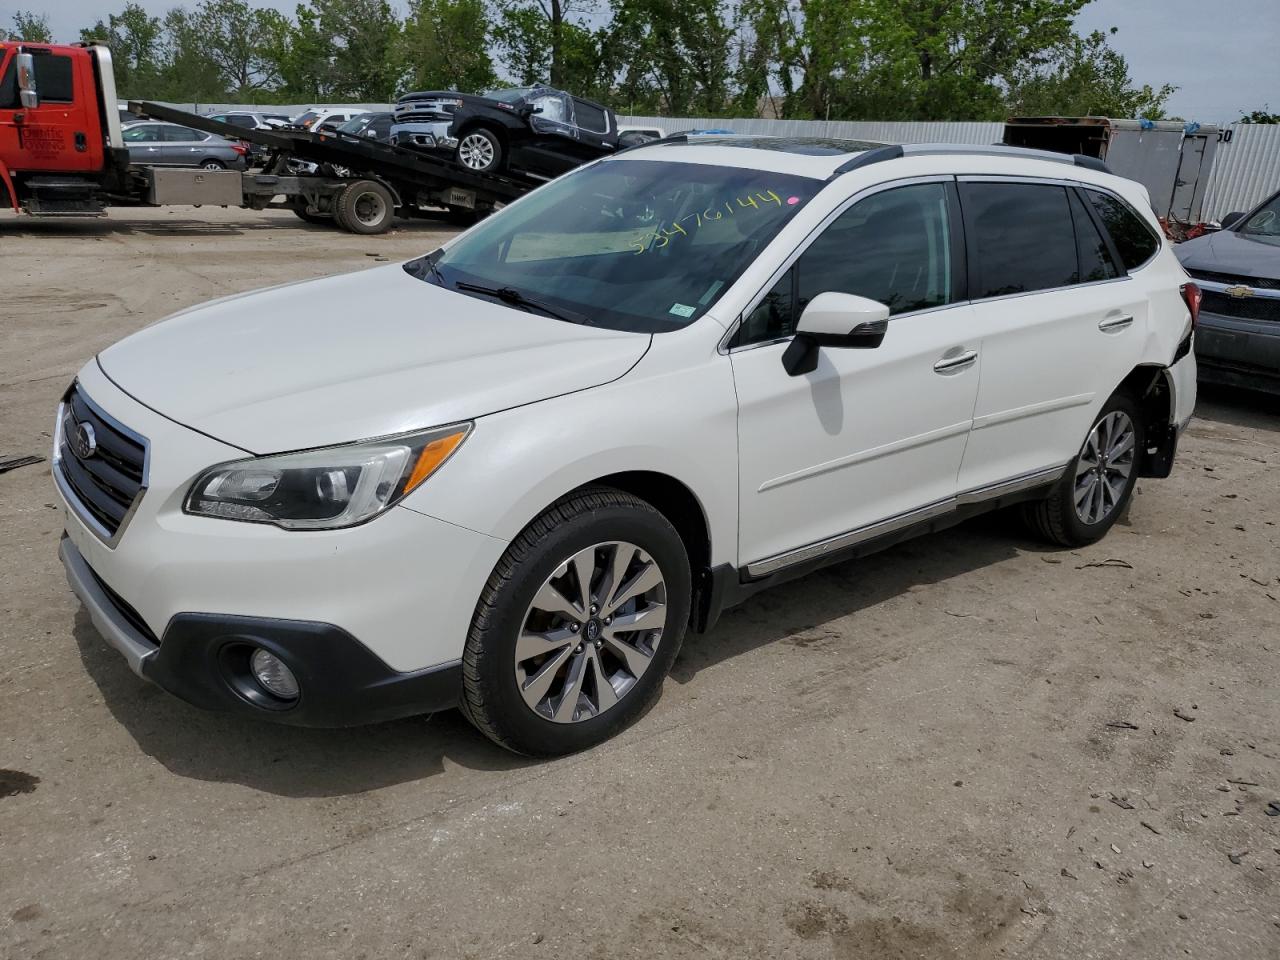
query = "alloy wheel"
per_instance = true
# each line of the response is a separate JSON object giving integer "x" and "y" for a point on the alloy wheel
{"x": 591, "y": 632}
{"x": 476, "y": 151}
{"x": 1104, "y": 467}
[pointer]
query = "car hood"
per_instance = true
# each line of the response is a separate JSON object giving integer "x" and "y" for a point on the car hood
{"x": 350, "y": 357}
{"x": 1229, "y": 252}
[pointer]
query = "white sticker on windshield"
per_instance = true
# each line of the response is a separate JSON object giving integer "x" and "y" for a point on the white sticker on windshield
{"x": 711, "y": 292}
{"x": 682, "y": 310}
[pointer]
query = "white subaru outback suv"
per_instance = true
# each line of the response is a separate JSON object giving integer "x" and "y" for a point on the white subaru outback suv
{"x": 511, "y": 474}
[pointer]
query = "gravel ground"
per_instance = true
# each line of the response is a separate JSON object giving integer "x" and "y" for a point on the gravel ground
{"x": 969, "y": 746}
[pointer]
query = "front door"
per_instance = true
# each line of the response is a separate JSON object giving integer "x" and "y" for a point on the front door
{"x": 145, "y": 144}
{"x": 60, "y": 135}
{"x": 872, "y": 438}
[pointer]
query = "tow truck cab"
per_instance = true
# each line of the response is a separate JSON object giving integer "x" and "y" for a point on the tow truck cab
{"x": 61, "y": 148}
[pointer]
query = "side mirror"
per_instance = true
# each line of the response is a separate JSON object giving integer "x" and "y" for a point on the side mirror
{"x": 1231, "y": 219}
{"x": 28, "y": 96}
{"x": 832, "y": 319}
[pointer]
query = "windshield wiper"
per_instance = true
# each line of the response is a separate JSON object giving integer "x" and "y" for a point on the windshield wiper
{"x": 513, "y": 297}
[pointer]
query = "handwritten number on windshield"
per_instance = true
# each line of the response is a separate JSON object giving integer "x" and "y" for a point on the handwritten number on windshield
{"x": 661, "y": 236}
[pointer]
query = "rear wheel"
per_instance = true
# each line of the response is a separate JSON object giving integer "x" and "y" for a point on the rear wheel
{"x": 1096, "y": 488}
{"x": 578, "y": 625}
{"x": 365, "y": 207}
{"x": 212, "y": 164}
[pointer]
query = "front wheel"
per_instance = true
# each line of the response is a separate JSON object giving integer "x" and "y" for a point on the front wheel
{"x": 578, "y": 625}
{"x": 1096, "y": 488}
{"x": 480, "y": 151}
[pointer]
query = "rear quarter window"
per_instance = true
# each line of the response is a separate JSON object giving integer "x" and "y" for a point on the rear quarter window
{"x": 1135, "y": 241}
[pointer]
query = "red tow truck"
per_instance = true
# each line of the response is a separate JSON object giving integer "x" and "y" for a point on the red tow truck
{"x": 62, "y": 153}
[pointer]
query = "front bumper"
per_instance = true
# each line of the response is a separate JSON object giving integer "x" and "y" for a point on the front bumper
{"x": 203, "y": 659}
{"x": 375, "y": 608}
{"x": 1239, "y": 352}
{"x": 430, "y": 135}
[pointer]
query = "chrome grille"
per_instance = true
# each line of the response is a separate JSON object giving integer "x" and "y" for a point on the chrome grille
{"x": 1262, "y": 283}
{"x": 100, "y": 464}
{"x": 1246, "y": 308}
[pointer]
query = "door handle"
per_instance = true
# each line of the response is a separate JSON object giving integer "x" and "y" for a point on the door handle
{"x": 1114, "y": 323}
{"x": 957, "y": 363}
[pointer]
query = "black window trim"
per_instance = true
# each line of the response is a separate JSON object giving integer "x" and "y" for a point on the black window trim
{"x": 959, "y": 271}
{"x": 1116, "y": 260}
{"x": 1049, "y": 181}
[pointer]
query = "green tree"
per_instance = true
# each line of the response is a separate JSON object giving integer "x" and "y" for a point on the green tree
{"x": 360, "y": 40}
{"x": 539, "y": 41}
{"x": 446, "y": 45}
{"x": 134, "y": 38}
{"x": 31, "y": 26}
{"x": 1261, "y": 116}
{"x": 187, "y": 73}
{"x": 236, "y": 39}
{"x": 1087, "y": 78}
{"x": 673, "y": 55}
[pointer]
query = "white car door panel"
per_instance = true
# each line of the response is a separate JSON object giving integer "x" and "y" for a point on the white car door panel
{"x": 870, "y": 433}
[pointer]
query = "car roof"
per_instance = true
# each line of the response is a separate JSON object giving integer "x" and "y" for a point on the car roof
{"x": 824, "y": 157}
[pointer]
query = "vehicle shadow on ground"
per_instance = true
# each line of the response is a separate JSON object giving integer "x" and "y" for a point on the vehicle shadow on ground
{"x": 793, "y": 611}
{"x": 1238, "y": 407}
{"x": 299, "y": 762}
{"x": 288, "y": 761}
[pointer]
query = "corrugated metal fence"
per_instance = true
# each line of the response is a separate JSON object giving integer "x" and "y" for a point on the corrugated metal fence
{"x": 1246, "y": 171}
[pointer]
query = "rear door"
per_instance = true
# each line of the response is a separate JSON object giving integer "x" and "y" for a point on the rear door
{"x": 1061, "y": 325}
{"x": 184, "y": 147}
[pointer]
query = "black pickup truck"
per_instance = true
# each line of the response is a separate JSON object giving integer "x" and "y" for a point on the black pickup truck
{"x": 534, "y": 132}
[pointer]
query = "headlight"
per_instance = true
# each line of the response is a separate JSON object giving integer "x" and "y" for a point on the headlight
{"x": 327, "y": 488}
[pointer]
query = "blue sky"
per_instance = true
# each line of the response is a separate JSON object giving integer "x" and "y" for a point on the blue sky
{"x": 1222, "y": 55}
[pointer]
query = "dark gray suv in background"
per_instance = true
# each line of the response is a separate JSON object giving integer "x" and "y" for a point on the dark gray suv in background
{"x": 1238, "y": 270}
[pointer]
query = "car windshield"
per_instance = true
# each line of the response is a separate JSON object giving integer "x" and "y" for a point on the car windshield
{"x": 638, "y": 245}
{"x": 306, "y": 117}
{"x": 1264, "y": 224}
{"x": 355, "y": 124}
{"x": 508, "y": 94}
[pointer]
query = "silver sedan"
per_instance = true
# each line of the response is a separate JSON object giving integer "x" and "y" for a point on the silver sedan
{"x": 159, "y": 144}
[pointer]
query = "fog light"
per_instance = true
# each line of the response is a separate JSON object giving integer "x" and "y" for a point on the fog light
{"x": 270, "y": 671}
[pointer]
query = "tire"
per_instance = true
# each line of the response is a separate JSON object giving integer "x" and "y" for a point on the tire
{"x": 529, "y": 705}
{"x": 212, "y": 164}
{"x": 304, "y": 213}
{"x": 365, "y": 207}
{"x": 480, "y": 151}
{"x": 1057, "y": 518}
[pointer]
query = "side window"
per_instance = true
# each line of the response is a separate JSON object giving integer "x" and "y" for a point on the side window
{"x": 53, "y": 78}
{"x": 1135, "y": 241}
{"x": 9, "y": 87}
{"x": 183, "y": 135}
{"x": 1095, "y": 257}
{"x": 143, "y": 133}
{"x": 1020, "y": 236}
{"x": 894, "y": 247}
{"x": 380, "y": 129}
{"x": 240, "y": 120}
{"x": 590, "y": 117}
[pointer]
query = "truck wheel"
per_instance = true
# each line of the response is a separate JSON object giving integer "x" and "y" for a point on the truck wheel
{"x": 366, "y": 207}
{"x": 578, "y": 625}
{"x": 479, "y": 150}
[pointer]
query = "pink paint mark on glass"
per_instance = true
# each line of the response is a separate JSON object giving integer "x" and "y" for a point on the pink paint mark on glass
{"x": 792, "y": 201}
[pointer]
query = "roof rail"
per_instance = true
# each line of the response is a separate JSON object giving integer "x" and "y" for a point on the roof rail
{"x": 987, "y": 150}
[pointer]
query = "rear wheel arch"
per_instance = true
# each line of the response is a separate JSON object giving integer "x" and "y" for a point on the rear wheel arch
{"x": 1152, "y": 388}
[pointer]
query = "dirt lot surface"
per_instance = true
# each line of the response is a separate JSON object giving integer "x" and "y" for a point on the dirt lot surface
{"x": 969, "y": 746}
